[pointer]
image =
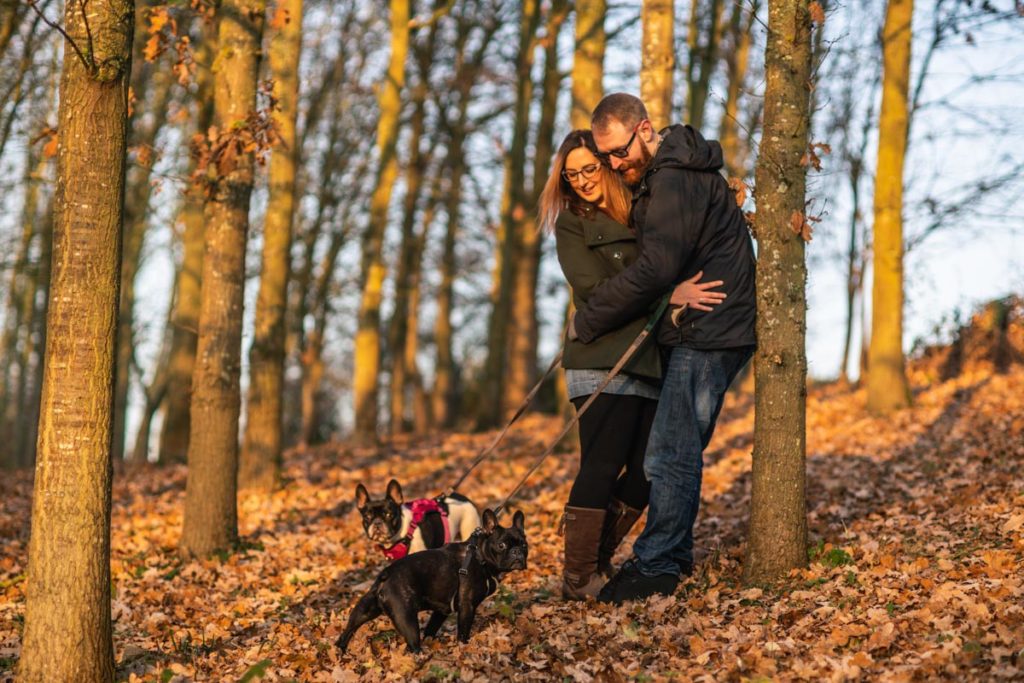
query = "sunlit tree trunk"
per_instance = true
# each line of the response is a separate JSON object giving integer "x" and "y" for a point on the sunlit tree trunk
{"x": 211, "y": 516}
{"x": 737, "y": 60}
{"x": 261, "y": 448}
{"x": 588, "y": 61}
{"x": 399, "y": 330}
{"x": 657, "y": 60}
{"x": 372, "y": 273}
{"x": 177, "y": 408}
{"x": 67, "y": 634}
{"x": 777, "y": 538}
{"x": 887, "y": 381}
{"x": 513, "y": 212}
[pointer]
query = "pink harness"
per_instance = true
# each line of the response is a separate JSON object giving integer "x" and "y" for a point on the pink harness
{"x": 419, "y": 509}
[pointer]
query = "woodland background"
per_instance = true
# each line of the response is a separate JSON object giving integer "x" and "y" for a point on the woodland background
{"x": 325, "y": 269}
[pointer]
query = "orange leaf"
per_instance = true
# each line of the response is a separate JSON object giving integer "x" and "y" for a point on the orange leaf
{"x": 50, "y": 149}
{"x": 817, "y": 13}
{"x": 280, "y": 19}
{"x": 740, "y": 188}
{"x": 158, "y": 18}
{"x": 154, "y": 46}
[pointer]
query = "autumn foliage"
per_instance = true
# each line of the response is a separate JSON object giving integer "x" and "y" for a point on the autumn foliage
{"x": 915, "y": 565}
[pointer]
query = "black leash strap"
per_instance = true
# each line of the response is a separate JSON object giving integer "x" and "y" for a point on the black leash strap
{"x": 501, "y": 435}
{"x": 637, "y": 343}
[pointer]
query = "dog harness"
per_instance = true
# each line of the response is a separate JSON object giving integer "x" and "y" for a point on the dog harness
{"x": 419, "y": 509}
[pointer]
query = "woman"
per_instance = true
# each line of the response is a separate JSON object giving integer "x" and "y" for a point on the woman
{"x": 586, "y": 205}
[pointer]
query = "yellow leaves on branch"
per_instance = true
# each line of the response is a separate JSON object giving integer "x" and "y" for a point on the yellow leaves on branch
{"x": 163, "y": 34}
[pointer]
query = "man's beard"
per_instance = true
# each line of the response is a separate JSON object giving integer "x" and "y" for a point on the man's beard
{"x": 634, "y": 172}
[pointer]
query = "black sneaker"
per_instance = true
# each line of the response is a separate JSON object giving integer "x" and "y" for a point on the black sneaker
{"x": 630, "y": 584}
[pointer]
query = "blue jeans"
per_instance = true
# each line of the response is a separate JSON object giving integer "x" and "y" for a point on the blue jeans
{"x": 691, "y": 398}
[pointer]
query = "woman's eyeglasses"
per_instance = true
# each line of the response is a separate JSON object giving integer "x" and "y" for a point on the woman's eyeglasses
{"x": 588, "y": 172}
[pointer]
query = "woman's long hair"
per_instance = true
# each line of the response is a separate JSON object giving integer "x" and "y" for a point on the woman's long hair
{"x": 559, "y": 195}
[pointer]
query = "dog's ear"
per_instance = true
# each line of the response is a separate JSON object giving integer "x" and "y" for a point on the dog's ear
{"x": 362, "y": 497}
{"x": 395, "y": 491}
{"x": 519, "y": 521}
{"x": 490, "y": 520}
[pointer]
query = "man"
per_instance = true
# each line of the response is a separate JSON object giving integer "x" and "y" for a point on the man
{"x": 687, "y": 220}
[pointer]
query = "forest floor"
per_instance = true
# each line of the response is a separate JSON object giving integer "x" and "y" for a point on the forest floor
{"x": 916, "y": 571}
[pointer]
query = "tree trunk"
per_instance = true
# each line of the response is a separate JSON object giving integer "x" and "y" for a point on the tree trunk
{"x": 211, "y": 515}
{"x": 737, "y": 61}
{"x": 513, "y": 213}
{"x": 415, "y": 170}
{"x": 372, "y": 272}
{"x": 442, "y": 396}
{"x": 522, "y": 371}
{"x": 703, "y": 58}
{"x": 657, "y": 60}
{"x": 887, "y": 381}
{"x": 177, "y": 411}
{"x": 260, "y": 466}
{"x": 777, "y": 539}
{"x": 136, "y": 208}
{"x": 41, "y": 307}
{"x": 67, "y": 633}
{"x": 588, "y": 61}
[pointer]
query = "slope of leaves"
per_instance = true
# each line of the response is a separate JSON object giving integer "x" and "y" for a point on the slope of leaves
{"x": 915, "y": 572}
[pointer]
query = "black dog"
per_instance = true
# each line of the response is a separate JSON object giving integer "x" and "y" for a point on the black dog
{"x": 456, "y": 578}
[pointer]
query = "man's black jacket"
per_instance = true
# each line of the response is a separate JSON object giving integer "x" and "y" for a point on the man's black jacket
{"x": 686, "y": 221}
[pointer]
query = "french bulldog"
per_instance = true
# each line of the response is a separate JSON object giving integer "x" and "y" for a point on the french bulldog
{"x": 455, "y": 578}
{"x": 400, "y": 528}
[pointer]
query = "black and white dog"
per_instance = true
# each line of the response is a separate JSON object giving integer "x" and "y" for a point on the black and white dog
{"x": 399, "y": 528}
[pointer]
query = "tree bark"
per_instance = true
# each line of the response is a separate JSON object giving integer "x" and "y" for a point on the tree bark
{"x": 703, "y": 57}
{"x": 211, "y": 515}
{"x": 777, "y": 538}
{"x": 399, "y": 330}
{"x": 588, "y": 61}
{"x": 139, "y": 188}
{"x": 260, "y": 467}
{"x": 372, "y": 272}
{"x": 657, "y": 60}
{"x": 67, "y": 613}
{"x": 887, "y": 385}
{"x": 737, "y": 61}
{"x": 513, "y": 212}
{"x": 177, "y": 408}
{"x": 522, "y": 370}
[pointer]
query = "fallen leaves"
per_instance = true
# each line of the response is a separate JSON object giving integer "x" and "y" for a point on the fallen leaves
{"x": 922, "y": 579}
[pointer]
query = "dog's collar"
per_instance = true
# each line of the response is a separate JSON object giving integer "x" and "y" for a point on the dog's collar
{"x": 397, "y": 551}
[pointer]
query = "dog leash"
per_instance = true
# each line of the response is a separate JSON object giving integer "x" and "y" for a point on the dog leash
{"x": 637, "y": 343}
{"x": 501, "y": 435}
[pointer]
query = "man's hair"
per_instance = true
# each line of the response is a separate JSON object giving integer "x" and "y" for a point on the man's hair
{"x": 622, "y": 107}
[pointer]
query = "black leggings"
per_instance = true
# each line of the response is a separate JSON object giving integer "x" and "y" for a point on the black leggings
{"x": 613, "y": 436}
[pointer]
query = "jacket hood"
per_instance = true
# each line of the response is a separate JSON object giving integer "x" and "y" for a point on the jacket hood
{"x": 685, "y": 147}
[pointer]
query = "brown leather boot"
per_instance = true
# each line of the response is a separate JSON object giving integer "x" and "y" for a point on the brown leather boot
{"x": 619, "y": 520}
{"x": 580, "y": 579}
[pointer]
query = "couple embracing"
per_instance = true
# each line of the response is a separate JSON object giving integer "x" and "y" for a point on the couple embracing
{"x": 638, "y": 214}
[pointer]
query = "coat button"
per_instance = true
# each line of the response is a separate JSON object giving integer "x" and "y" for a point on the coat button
{"x": 600, "y": 237}
{"x": 617, "y": 255}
